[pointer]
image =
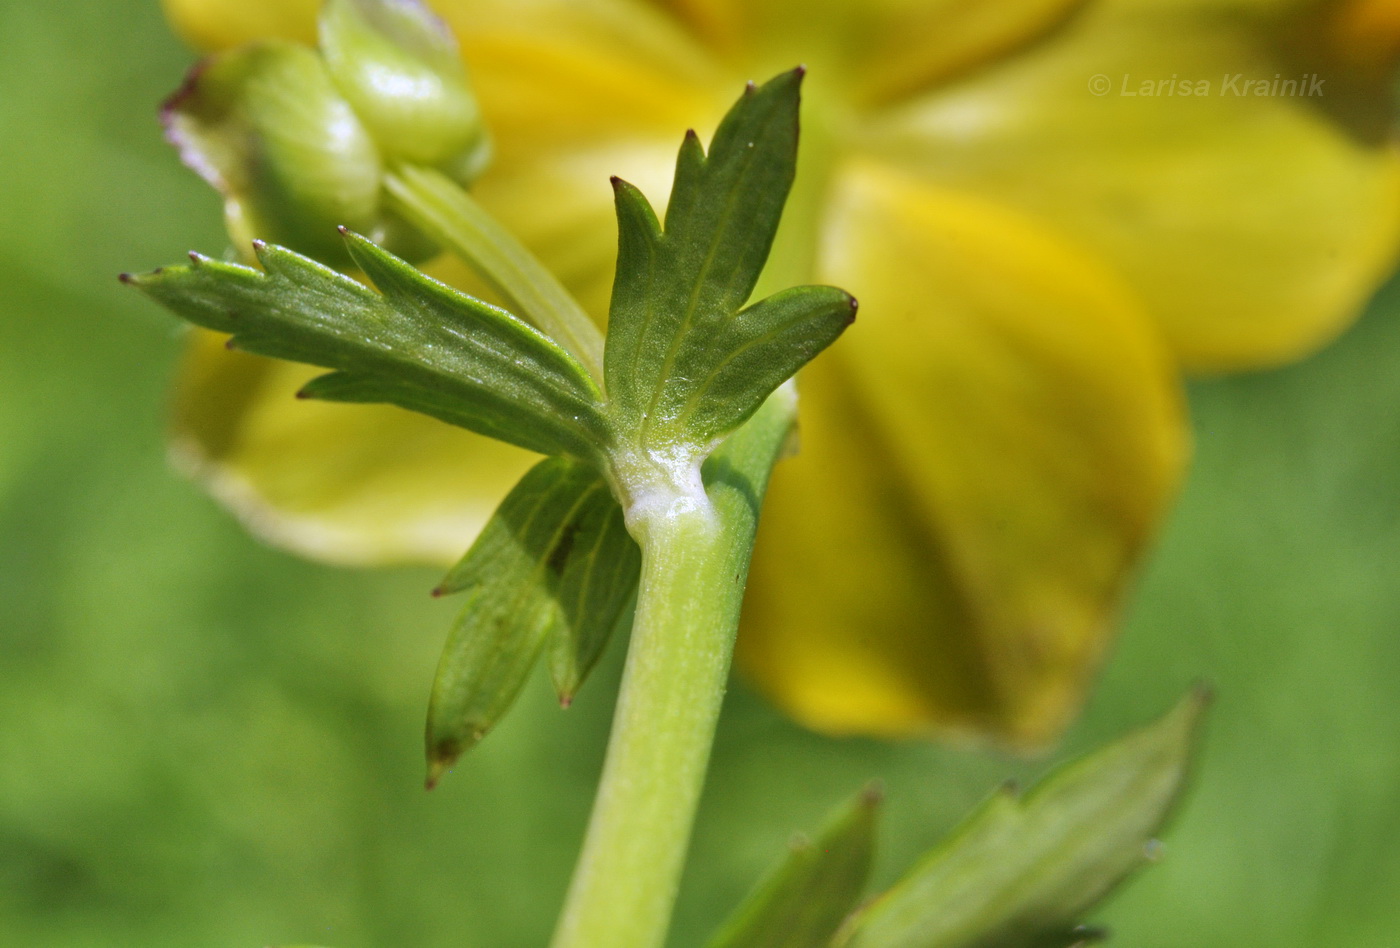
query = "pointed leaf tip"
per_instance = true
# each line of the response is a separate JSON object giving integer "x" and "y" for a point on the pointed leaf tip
{"x": 436, "y": 769}
{"x": 444, "y": 753}
{"x": 801, "y": 903}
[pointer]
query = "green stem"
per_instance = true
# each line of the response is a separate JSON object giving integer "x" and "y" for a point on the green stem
{"x": 695, "y": 561}
{"x": 444, "y": 211}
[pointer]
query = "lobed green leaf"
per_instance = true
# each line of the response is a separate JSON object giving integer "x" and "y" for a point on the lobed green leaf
{"x": 682, "y": 363}
{"x": 1022, "y": 872}
{"x": 420, "y": 345}
{"x": 804, "y": 899}
{"x": 554, "y": 564}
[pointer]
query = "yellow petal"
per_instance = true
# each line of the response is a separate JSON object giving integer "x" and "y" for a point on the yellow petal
{"x": 1255, "y": 227}
{"x": 574, "y": 91}
{"x": 916, "y": 42}
{"x": 983, "y": 457}
{"x": 875, "y": 48}
{"x": 342, "y": 483}
{"x": 213, "y": 25}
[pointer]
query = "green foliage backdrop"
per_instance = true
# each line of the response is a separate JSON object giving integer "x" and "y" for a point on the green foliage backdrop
{"x": 204, "y": 742}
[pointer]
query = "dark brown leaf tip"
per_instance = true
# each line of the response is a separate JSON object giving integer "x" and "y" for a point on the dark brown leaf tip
{"x": 344, "y": 231}
{"x": 443, "y": 756}
{"x": 126, "y": 278}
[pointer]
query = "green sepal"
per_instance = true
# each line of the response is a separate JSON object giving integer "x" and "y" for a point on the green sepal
{"x": 1022, "y": 872}
{"x": 805, "y": 898}
{"x": 420, "y": 345}
{"x": 683, "y": 365}
{"x": 553, "y": 564}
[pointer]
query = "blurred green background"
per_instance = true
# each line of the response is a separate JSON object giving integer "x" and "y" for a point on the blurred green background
{"x": 204, "y": 742}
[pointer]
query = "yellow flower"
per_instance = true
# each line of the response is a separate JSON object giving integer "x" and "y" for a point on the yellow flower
{"x": 1048, "y": 208}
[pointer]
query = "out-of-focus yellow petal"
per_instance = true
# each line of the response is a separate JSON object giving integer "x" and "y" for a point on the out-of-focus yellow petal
{"x": 983, "y": 459}
{"x": 1255, "y": 227}
{"x": 574, "y": 92}
{"x": 342, "y": 483}
{"x": 878, "y": 48}
{"x": 213, "y": 25}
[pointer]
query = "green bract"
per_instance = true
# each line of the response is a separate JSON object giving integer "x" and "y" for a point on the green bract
{"x": 684, "y": 364}
{"x": 553, "y": 567}
{"x": 421, "y": 345}
{"x": 1022, "y": 872}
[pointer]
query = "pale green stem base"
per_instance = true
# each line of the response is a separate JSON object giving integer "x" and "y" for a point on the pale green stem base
{"x": 694, "y": 565}
{"x": 660, "y": 745}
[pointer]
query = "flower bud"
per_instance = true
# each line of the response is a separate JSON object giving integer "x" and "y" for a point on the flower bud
{"x": 298, "y": 142}
{"x": 266, "y": 127}
{"x": 399, "y": 68}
